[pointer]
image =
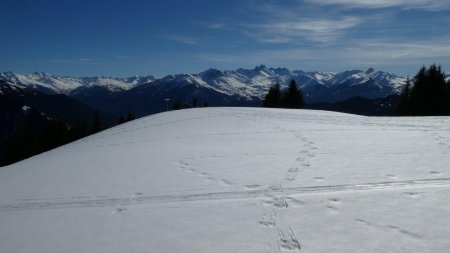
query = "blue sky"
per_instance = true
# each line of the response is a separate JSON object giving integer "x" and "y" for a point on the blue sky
{"x": 139, "y": 37}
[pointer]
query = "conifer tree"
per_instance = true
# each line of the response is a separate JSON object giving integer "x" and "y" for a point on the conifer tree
{"x": 428, "y": 93}
{"x": 23, "y": 145}
{"x": 273, "y": 97}
{"x": 57, "y": 134}
{"x": 447, "y": 91}
{"x": 404, "y": 105}
{"x": 130, "y": 115}
{"x": 97, "y": 125}
{"x": 121, "y": 120}
{"x": 177, "y": 105}
{"x": 293, "y": 98}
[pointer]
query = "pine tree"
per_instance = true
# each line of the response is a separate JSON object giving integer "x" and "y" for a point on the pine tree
{"x": 57, "y": 134}
{"x": 447, "y": 92}
{"x": 130, "y": 115}
{"x": 194, "y": 102}
{"x": 428, "y": 95}
{"x": 97, "y": 125}
{"x": 121, "y": 120}
{"x": 23, "y": 145}
{"x": 273, "y": 97}
{"x": 293, "y": 98}
{"x": 404, "y": 105}
{"x": 177, "y": 105}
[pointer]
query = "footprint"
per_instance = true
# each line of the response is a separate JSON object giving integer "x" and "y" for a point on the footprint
{"x": 119, "y": 210}
{"x": 300, "y": 159}
{"x": 293, "y": 169}
{"x": 276, "y": 188}
{"x": 334, "y": 200}
{"x": 412, "y": 194}
{"x": 306, "y": 164}
{"x": 296, "y": 202}
{"x": 391, "y": 176}
{"x": 319, "y": 179}
{"x": 280, "y": 202}
{"x": 226, "y": 182}
{"x": 267, "y": 218}
{"x": 291, "y": 176}
{"x": 404, "y": 231}
{"x": 253, "y": 186}
{"x": 433, "y": 172}
{"x": 332, "y": 209}
{"x": 137, "y": 194}
{"x": 287, "y": 240}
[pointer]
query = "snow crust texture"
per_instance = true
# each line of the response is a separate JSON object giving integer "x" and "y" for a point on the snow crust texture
{"x": 236, "y": 180}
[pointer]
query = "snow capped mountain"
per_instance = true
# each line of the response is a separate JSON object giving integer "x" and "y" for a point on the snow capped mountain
{"x": 241, "y": 180}
{"x": 56, "y": 84}
{"x": 226, "y": 87}
{"x": 253, "y": 84}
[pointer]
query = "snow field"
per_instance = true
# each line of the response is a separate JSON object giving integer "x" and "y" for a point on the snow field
{"x": 236, "y": 180}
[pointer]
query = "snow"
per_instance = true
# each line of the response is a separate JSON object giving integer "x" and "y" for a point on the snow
{"x": 246, "y": 83}
{"x": 65, "y": 85}
{"x": 25, "y": 108}
{"x": 236, "y": 180}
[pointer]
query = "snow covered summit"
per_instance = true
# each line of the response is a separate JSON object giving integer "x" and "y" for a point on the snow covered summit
{"x": 49, "y": 83}
{"x": 238, "y": 85}
{"x": 236, "y": 180}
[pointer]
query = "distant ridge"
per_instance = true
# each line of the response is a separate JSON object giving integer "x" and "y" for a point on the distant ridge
{"x": 241, "y": 87}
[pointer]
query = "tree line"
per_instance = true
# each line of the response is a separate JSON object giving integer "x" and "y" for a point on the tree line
{"x": 427, "y": 94}
{"x": 28, "y": 140}
{"x": 291, "y": 98}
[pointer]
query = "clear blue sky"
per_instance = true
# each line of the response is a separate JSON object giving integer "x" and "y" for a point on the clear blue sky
{"x": 139, "y": 37}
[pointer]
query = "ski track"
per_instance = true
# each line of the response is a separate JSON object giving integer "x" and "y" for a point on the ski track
{"x": 100, "y": 201}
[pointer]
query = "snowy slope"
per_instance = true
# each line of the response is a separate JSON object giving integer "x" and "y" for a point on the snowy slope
{"x": 236, "y": 180}
{"x": 57, "y": 84}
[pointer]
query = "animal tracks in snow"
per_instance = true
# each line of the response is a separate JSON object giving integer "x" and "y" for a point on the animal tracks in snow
{"x": 268, "y": 217}
{"x": 389, "y": 228}
{"x": 437, "y": 173}
{"x": 288, "y": 240}
{"x": 252, "y": 186}
{"x": 184, "y": 165}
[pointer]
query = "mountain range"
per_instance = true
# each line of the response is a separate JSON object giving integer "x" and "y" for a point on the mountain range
{"x": 243, "y": 87}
